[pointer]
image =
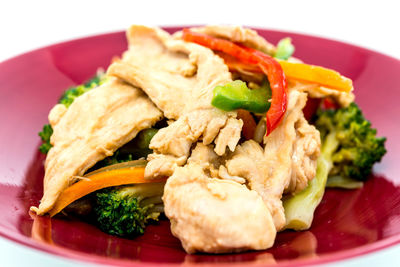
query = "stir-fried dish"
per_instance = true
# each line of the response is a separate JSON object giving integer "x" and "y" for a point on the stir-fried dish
{"x": 214, "y": 128}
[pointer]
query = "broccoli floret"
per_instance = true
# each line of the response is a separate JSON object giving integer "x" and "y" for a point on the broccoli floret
{"x": 125, "y": 211}
{"x": 357, "y": 147}
{"x": 66, "y": 99}
{"x": 45, "y": 135}
{"x": 69, "y": 95}
{"x": 116, "y": 158}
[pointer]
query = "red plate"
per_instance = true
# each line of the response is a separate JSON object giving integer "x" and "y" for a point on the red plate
{"x": 347, "y": 223}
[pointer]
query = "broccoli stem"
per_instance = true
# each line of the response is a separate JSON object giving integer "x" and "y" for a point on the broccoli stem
{"x": 339, "y": 181}
{"x": 299, "y": 209}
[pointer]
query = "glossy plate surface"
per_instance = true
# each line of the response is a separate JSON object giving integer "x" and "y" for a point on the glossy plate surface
{"x": 346, "y": 224}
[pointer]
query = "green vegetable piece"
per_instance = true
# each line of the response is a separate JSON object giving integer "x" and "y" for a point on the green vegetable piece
{"x": 359, "y": 148}
{"x": 349, "y": 149}
{"x": 116, "y": 158}
{"x": 299, "y": 209}
{"x": 45, "y": 135}
{"x": 343, "y": 182}
{"x": 139, "y": 146}
{"x": 284, "y": 49}
{"x": 143, "y": 139}
{"x": 126, "y": 210}
{"x": 236, "y": 95}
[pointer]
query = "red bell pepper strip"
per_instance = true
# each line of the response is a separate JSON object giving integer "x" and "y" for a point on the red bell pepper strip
{"x": 277, "y": 81}
{"x": 247, "y": 55}
{"x": 235, "y": 65}
{"x": 219, "y": 44}
{"x": 329, "y": 104}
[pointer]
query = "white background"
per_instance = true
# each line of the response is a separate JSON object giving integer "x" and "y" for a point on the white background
{"x": 26, "y": 25}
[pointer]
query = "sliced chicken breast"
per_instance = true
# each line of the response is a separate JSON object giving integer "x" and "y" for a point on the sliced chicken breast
{"x": 214, "y": 215}
{"x": 279, "y": 167}
{"x": 92, "y": 128}
{"x": 179, "y": 77}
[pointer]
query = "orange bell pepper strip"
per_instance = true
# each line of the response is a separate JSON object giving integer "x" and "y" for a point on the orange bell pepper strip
{"x": 316, "y": 74}
{"x": 100, "y": 180}
{"x": 267, "y": 64}
{"x": 298, "y": 71}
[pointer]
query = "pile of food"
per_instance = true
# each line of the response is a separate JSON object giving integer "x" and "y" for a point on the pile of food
{"x": 230, "y": 137}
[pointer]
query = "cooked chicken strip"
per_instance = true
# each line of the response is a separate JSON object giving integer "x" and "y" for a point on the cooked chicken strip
{"x": 179, "y": 78}
{"x": 213, "y": 215}
{"x": 56, "y": 113}
{"x": 272, "y": 170}
{"x": 306, "y": 150}
{"x": 92, "y": 128}
{"x": 209, "y": 215}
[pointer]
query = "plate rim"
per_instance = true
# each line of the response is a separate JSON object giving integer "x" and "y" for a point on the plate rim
{"x": 92, "y": 258}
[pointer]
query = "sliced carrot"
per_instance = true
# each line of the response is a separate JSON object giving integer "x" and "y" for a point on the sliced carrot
{"x": 100, "y": 180}
{"x": 249, "y": 124}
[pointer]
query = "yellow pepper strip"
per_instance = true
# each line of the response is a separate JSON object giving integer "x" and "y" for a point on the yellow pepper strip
{"x": 100, "y": 180}
{"x": 298, "y": 71}
{"x": 316, "y": 74}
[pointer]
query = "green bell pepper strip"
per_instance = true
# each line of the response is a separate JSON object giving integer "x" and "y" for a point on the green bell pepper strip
{"x": 236, "y": 95}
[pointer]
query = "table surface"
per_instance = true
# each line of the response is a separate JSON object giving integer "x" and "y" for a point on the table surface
{"x": 28, "y": 25}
